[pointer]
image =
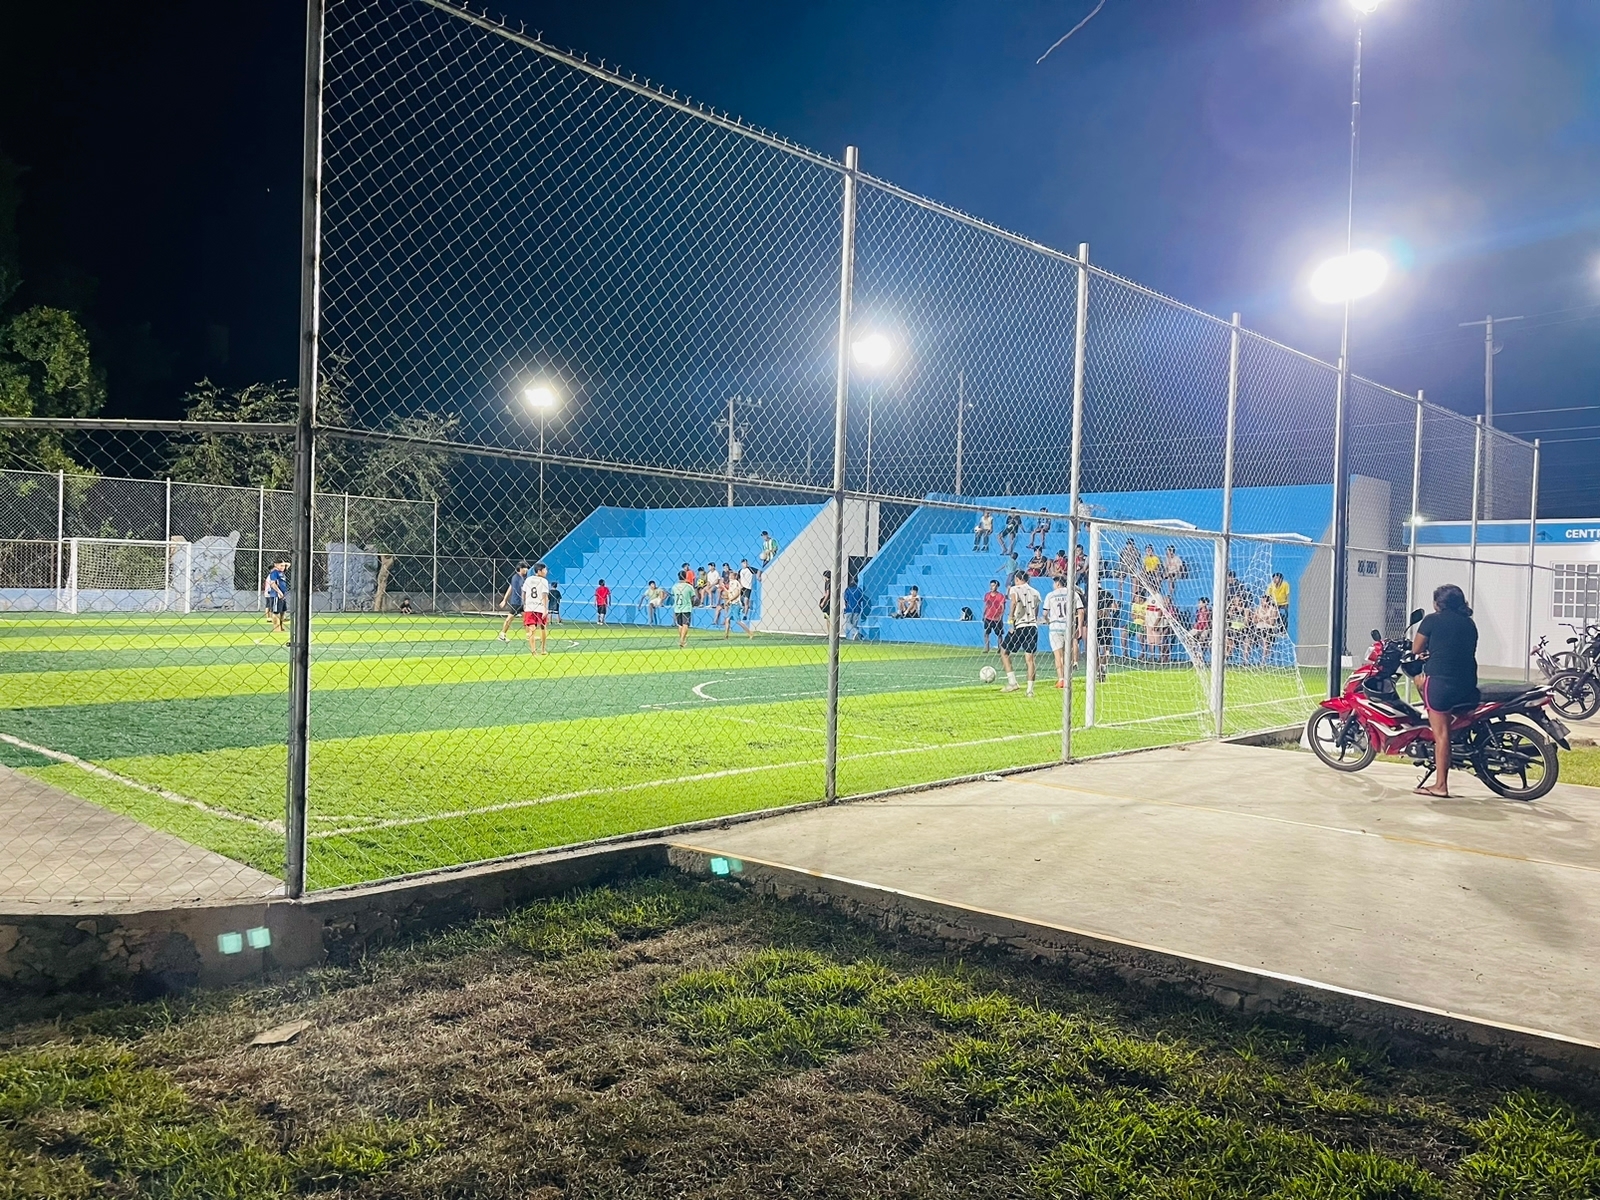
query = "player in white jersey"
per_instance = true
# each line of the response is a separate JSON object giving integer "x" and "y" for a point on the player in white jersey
{"x": 1024, "y": 632}
{"x": 536, "y": 607}
{"x": 1063, "y": 613}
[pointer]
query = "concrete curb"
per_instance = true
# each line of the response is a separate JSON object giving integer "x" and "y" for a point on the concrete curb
{"x": 167, "y": 949}
{"x": 1417, "y": 1029}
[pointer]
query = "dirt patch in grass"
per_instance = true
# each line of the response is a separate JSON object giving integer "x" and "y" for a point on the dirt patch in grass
{"x": 675, "y": 1038}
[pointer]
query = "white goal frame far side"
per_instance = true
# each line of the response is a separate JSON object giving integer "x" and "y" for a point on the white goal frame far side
{"x": 67, "y": 599}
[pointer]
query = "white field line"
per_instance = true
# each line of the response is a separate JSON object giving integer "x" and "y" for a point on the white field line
{"x": 512, "y": 805}
{"x": 84, "y": 764}
{"x": 864, "y": 737}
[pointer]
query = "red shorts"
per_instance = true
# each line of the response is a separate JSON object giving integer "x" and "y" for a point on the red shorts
{"x": 535, "y": 620}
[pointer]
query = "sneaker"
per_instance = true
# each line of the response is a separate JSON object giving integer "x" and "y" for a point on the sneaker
{"x": 1011, "y": 687}
{"x": 1030, "y": 693}
{"x": 1062, "y": 684}
{"x": 501, "y": 638}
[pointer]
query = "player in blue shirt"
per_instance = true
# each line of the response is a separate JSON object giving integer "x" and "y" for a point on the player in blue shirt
{"x": 512, "y": 600}
{"x": 275, "y": 591}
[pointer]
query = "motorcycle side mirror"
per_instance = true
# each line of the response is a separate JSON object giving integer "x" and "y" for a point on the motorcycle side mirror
{"x": 1416, "y": 615}
{"x": 1377, "y": 635}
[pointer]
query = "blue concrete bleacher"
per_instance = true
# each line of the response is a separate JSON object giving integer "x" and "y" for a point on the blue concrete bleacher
{"x": 933, "y": 550}
{"x": 628, "y": 547}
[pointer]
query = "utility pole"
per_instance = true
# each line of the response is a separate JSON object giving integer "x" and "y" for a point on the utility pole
{"x": 735, "y": 445}
{"x": 1489, "y": 351}
{"x": 961, "y": 421}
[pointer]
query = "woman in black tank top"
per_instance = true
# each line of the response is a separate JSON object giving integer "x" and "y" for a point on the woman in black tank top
{"x": 1450, "y": 640}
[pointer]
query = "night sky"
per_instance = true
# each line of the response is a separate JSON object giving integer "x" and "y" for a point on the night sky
{"x": 1197, "y": 145}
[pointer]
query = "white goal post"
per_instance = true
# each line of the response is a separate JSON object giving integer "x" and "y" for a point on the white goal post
{"x": 127, "y": 575}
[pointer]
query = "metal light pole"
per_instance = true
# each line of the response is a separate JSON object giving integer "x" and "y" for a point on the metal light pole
{"x": 1341, "y": 404}
{"x": 541, "y": 397}
{"x": 873, "y": 353}
{"x": 1489, "y": 351}
{"x": 961, "y": 421}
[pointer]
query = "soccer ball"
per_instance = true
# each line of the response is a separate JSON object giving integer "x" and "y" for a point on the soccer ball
{"x": 987, "y": 675}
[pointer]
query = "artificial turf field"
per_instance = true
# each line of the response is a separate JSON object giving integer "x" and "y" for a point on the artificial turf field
{"x": 435, "y": 744}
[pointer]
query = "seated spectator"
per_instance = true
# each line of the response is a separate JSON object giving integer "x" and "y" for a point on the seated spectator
{"x": 1037, "y": 567}
{"x": 1173, "y": 568}
{"x": 1041, "y": 531}
{"x": 981, "y": 532}
{"x": 1060, "y": 568}
{"x": 909, "y": 605}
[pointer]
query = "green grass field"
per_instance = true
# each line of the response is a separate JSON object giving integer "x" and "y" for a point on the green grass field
{"x": 435, "y": 744}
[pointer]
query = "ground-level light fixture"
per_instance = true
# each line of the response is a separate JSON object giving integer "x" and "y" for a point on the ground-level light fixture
{"x": 1349, "y": 277}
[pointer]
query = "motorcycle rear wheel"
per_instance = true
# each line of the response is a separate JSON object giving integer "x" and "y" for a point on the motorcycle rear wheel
{"x": 1340, "y": 742}
{"x": 1575, "y": 694}
{"x": 1516, "y": 760}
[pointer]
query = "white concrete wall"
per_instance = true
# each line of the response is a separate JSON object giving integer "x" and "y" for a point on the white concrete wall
{"x": 792, "y": 585}
{"x": 1364, "y": 594}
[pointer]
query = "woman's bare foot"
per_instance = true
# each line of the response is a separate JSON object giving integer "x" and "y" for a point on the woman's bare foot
{"x": 1435, "y": 792}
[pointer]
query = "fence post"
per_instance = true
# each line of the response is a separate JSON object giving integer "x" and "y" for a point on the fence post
{"x": 166, "y": 553}
{"x": 61, "y": 529}
{"x": 1477, "y": 488}
{"x": 1080, "y": 347}
{"x": 1414, "y": 523}
{"x": 841, "y": 396}
{"x": 344, "y": 558}
{"x": 1533, "y": 570}
{"x": 1222, "y": 554}
{"x": 1091, "y": 629}
{"x": 436, "y": 556}
{"x": 261, "y": 548}
{"x": 294, "y": 880}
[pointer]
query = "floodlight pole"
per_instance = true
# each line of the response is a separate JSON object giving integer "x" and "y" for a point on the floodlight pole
{"x": 1341, "y": 411}
{"x": 1533, "y": 543}
{"x": 1080, "y": 346}
{"x": 1414, "y": 522}
{"x": 841, "y": 397}
{"x": 1477, "y": 500}
{"x": 294, "y": 880}
{"x": 1489, "y": 351}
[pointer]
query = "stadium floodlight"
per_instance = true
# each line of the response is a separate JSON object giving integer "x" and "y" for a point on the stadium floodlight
{"x": 1364, "y": 7}
{"x": 873, "y": 351}
{"x": 1349, "y": 277}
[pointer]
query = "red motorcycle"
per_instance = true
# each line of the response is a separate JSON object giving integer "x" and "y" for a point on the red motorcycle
{"x": 1508, "y": 739}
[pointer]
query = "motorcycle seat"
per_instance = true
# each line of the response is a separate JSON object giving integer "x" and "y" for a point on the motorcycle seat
{"x": 1502, "y": 693}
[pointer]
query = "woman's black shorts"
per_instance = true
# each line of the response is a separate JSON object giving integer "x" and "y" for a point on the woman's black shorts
{"x": 1441, "y": 694}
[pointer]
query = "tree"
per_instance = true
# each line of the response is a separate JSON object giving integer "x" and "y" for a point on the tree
{"x": 238, "y": 460}
{"x": 46, "y": 371}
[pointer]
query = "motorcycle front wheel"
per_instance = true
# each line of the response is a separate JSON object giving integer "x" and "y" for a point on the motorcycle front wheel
{"x": 1516, "y": 760}
{"x": 1340, "y": 742}
{"x": 1575, "y": 694}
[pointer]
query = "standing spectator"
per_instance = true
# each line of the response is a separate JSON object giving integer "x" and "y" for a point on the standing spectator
{"x": 1037, "y": 567}
{"x": 747, "y": 584}
{"x": 536, "y": 608}
{"x": 555, "y": 603}
{"x": 713, "y": 593}
{"x": 854, "y": 607}
{"x": 689, "y": 576}
{"x": 1151, "y": 565}
{"x": 275, "y": 590}
{"x": 1107, "y": 612}
{"x": 826, "y": 602}
{"x": 511, "y": 601}
{"x": 683, "y": 606}
{"x": 982, "y": 531}
{"x": 1202, "y": 627}
{"x": 1264, "y": 627}
{"x": 1135, "y": 635}
{"x": 1236, "y": 612}
{"x": 651, "y": 600}
{"x": 602, "y": 601}
{"x": 1024, "y": 635}
{"x": 769, "y": 549}
{"x": 994, "y": 615}
{"x": 1128, "y": 569}
{"x": 1080, "y": 568}
{"x": 1038, "y": 539}
{"x": 1173, "y": 568}
{"x": 1155, "y": 626}
{"x": 1063, "y": 614}
{"x": 1009, "y": 532}
{"x": 1278, "y": 589}
{"x": 733, "y": 599}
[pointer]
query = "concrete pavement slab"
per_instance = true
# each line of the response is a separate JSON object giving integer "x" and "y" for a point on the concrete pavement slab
{"x": 1259, "y": 857}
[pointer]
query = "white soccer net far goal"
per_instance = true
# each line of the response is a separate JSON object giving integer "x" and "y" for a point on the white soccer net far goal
{"x": 126, "y": 575}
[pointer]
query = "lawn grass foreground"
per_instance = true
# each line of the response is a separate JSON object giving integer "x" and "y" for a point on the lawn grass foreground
{"x": 677, "y": 1038}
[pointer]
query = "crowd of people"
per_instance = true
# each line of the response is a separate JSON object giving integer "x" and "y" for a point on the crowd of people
{"x": 727, "y": 590}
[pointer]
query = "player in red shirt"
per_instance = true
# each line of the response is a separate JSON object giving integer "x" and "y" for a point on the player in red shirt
{"x": 602, "y": 601}
{"x": 994, "y": 615}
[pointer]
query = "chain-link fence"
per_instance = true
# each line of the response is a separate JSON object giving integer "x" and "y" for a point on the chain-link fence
{"x": 725, "y": 477}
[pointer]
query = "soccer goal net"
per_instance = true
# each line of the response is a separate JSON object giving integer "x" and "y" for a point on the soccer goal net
{"x": 1166, "y": 605}
{"x": 126, "y": 575}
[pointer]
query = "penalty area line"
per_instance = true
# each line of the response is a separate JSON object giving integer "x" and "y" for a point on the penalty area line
{"x": 84, "y": 764}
